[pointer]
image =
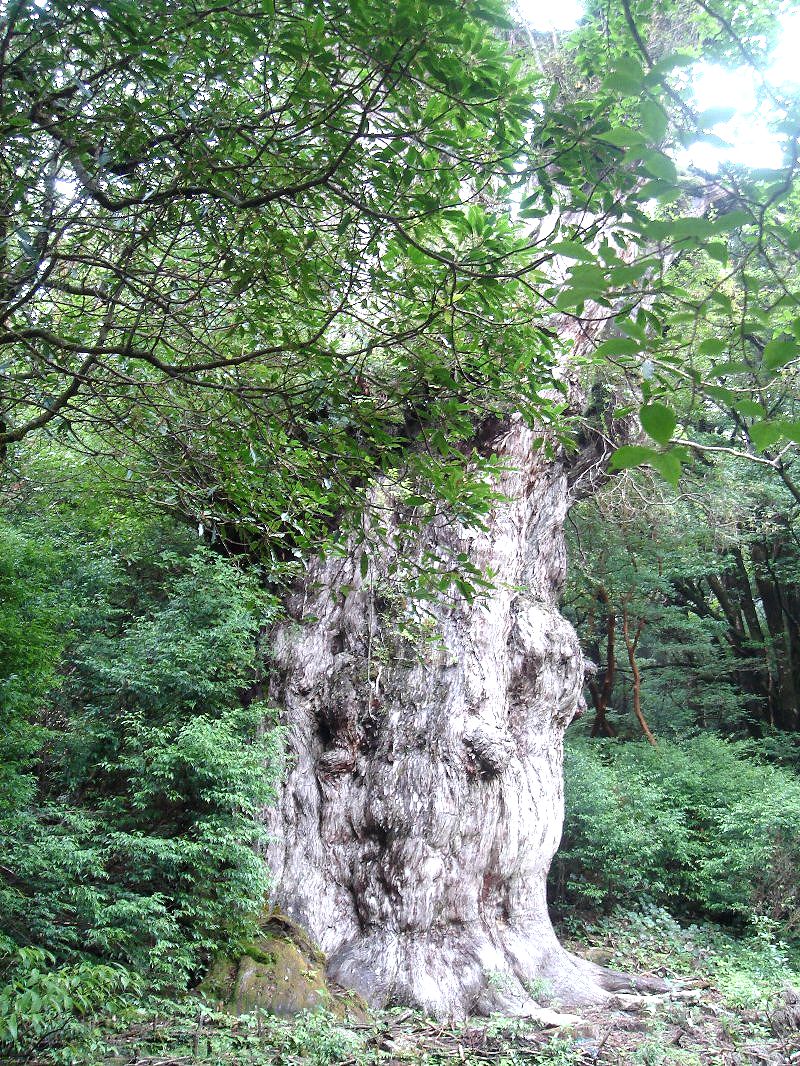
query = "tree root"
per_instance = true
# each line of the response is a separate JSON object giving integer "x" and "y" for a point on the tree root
{"x": 615, "y": 981}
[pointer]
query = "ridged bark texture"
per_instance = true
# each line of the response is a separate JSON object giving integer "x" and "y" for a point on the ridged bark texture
{"x": 423, "y": 803}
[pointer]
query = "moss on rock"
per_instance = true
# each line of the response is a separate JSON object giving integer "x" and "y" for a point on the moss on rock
{"x": 281, "y": 971}
{"x": 276, "y": 976}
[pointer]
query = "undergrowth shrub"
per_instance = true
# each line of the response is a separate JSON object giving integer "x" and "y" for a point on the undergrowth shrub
{"x": 45, "y": 1007}
{"x": 139, "y": 760}
{"x": 30, "y": 648}
{"x": 703, "y": 827}
{"x": 750, "y": 967}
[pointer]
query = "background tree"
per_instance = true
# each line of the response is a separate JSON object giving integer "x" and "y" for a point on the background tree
{"x": 713, "y": 568}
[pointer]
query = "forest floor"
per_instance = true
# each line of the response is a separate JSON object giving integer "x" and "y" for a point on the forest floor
{"x": 733, "y": 1004}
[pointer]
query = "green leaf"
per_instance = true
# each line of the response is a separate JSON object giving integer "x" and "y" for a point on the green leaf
{"x": 654, "y": 120}
{"x": 630, "y": 455}
{"x": 620, "y": 82}
{"x": 779, "y": 352}
{"x": 712, "y": 346}
{"x": 495, "y": 17}
{"x": 714, "y": 116}
{"x": 619, "y": 346}
{"x": 630, "y": 67}
{"x": 723, "y": 300}
{"x": 364, "y": 564}
{"x": 732, "y": 220}
{"x": 573, "y": 250}
{"x": 668, "y": 465}
{"x": 790, "y": 428}
{"x": 721, "y": 395}
{"x": 749, "y": 408}
{"x": 622, "y": 137}
{"x": 659, "y": 165}
{"x": 765, "y": 434}
{"x": 658, "y": 421}
{"x": 591, "y": 277}
{"x": 670, "y": 62}
{"x": 730, "y": 367}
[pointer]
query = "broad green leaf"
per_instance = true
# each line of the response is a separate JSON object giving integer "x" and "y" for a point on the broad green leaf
{"x": 573, "y": 250}
{"x": 790, "y": 429}
{"x": 588, "y": 277}
{"x": 749, "y": 408}
{"x": 670, "y": 62}
{"x": 732, "y": 220}
{"x": 658, "y": 421}
{"x": 659, "y": 165}
{"x": 722, "y": 300}
{"x": 654, "y": 120}
{"x": 620, "y": 82}
{"x": 730, "y": 367}
{"x": 779, "y": 352}
{"x": 630, "y": 455}
{"x": 619, "y": 346}
{"x": 721, "y": 395}
{"x": 623, "y": 137}
{"x": 633, "y": 329}
{"x": 715, "y": 116}
{"x": 668, "y": 465}
{"x": 712, "y": 346}
{"x": 765, "y": 434}
{"x": 630, "y": 66}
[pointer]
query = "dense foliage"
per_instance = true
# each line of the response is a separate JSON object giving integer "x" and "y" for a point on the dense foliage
{"x": 703, "y": 828}
{"x": 707, "y": 584}
{"x": 254, "y": 253}
{"x": 252, "y": 257}
{"x": 138, "y": 759}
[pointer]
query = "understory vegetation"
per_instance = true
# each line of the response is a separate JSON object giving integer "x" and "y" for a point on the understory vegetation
{"x": 705, "y": 828}
{"x": 733, "y": 1009}
{"x": 138, "y": 755}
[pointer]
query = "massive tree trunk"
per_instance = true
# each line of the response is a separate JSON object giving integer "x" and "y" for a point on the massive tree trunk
{"x": 423, "y": 804}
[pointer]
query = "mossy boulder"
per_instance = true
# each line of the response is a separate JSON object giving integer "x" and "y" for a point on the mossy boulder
{"x": 281, "y": 971}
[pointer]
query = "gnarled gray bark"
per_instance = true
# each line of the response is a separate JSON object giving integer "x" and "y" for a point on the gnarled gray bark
{"x": 424, "y": 804}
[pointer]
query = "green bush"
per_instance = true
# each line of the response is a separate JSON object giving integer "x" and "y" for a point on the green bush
{"x": 30, "y": 647}
{"x": 43, "y": 1006}
{"x": 138, "y": 759}
{"x": 751, "y": 968}
{"x": 703, "y": 827}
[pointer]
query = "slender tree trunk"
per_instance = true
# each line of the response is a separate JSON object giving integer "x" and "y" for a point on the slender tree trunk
{"x": 631, "y": 643}
{"x": 784, "y": 710}
{"x": 601, "y": 695}
{"x": 424, "y": 801}
{"x": 754, "y": 676}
